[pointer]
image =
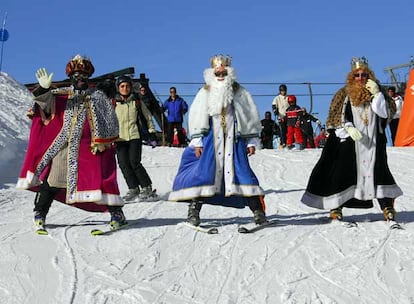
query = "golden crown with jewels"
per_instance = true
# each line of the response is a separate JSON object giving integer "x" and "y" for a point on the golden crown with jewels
{"x": 359, "y": 62}
{"x": 220, "y": 60}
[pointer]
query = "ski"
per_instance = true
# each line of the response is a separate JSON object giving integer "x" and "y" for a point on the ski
{"x": 41, "y": 231}
{"x": 108, "y": 230}
{"x": 204, "y": 229}
{"x": 247, "y": 229}
{"x": 344, "y": 223}
{"x": 394, "y": 225}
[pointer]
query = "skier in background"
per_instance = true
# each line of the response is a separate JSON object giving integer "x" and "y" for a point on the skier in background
{"x": 294, "y": 116}
{"x": 307, "y": 129}
{"x": 269, "y": 128}
{"x": 279, "y": 106}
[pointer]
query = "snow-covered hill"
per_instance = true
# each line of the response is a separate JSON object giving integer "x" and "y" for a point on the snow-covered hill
{"x": 15, "y": 101}
{"x": 302, "y": 260}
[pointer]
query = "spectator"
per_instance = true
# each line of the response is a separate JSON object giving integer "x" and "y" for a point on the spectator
{"x": 129, "y": 109}
{"x": 320, "y": 140}
{"x": 70, "y": 155}
{"x": 176, "y": 108}
{"x": 144, "y": 97}
{"x": 396, "y": 119}
{"x": 352, "y": 171}
{"x": 307, "y": 129}
{"x": 279, "y": 106}
{"x": 294, "y": 116}
{"x": 215, "y": 168}
{"x": 269, "y": 128}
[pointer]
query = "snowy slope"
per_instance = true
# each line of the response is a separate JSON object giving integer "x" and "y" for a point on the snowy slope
{"x": 15, "y": 101}
{"x": 155, "y": 260}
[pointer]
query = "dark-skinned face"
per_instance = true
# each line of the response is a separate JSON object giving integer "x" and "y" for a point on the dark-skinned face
{"x": 80, "y": 81}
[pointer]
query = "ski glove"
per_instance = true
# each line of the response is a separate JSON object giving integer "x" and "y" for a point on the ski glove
{"x": 372, "y": 86}
{"x": 43, "y": 78}
{"x": 354, "y": 133}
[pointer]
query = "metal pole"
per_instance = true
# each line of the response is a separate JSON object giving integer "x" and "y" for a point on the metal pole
{"x": 3, "y": 39}
{"x": 310, "y": 96}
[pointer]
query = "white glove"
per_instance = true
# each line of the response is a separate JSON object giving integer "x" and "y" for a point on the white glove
{"x": 43, "y": 78}
{"x": 318, "y": 122}
{"x": 354, "y": 133}
{"x": 372, "y": 86}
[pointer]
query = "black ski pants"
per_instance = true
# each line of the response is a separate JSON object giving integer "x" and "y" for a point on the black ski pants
{"x": 129, "y": 160}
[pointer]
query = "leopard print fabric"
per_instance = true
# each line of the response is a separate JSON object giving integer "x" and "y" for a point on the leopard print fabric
{"x": 104, "y": 127}
{"x": 334, "y": 120}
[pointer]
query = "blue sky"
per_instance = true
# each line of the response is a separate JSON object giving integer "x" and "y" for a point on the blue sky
{"x": 171, "y": 41}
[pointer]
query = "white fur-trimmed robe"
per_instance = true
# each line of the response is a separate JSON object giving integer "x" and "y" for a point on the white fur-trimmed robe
{"x": 222, "y": 175}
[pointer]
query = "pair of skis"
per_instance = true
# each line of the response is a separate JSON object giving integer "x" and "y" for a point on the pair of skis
{"x": 241, "y": 229}
{"x": 392, "y": 225}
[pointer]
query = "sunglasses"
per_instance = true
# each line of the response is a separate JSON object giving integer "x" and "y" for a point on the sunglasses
{"x": 79, "y": 76}
{"x": 363, "y": 75}
{"x": 221, "y": 73}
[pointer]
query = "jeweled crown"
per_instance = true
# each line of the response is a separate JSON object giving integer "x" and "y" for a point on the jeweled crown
{"x": 220, "y": 60}
{"x": 359, "y": 62}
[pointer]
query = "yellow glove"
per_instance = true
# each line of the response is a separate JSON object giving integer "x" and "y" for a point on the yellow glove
{"x": 372, "y": 86}
{"x": 353, "y": 133}
{"x": 97, "y": 148}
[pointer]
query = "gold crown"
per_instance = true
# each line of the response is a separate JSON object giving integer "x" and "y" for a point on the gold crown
{"x": 220, "y": 60}
{"x": 359, "y": 62}
{"x": 80, "y": 64}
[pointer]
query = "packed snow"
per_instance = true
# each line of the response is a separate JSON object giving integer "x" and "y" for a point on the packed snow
{"x": 301, "y": 259}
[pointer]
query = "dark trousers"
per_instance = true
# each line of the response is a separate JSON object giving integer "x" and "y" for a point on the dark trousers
{"x": 170, "y": 132}
{"x": 393, "y": 128}
{"x": 129, "y": 160}
{"x": 44, "y": 198}
{"x": 308, "y": 139}
{"x": 283, "y": 131}
{"x": 267, "y": 141}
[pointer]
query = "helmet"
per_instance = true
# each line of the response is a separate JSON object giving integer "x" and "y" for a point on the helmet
{"x": 79, "y": 64}
{"x": 283, "y": 87}
{"x": 123, "y": 78}
{"x": 291, "y": 99}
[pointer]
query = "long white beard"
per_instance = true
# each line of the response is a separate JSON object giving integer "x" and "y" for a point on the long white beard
{"x": 221, "y": 94}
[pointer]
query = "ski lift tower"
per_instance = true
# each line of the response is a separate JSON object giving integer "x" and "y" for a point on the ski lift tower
{"x": 400, "y": 86}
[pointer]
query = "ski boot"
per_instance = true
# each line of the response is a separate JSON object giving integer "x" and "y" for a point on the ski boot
{"x": 336, "y": 214}
{"x": 39, "y": 220}
{"x": 131, "y": 195}
{"x": 259, "y": 217}
{"x": 389, "y": 214}
{"x": 147, "y": 194}
{"x": 117, "y": 219}
{"x": 194, "y": 213}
